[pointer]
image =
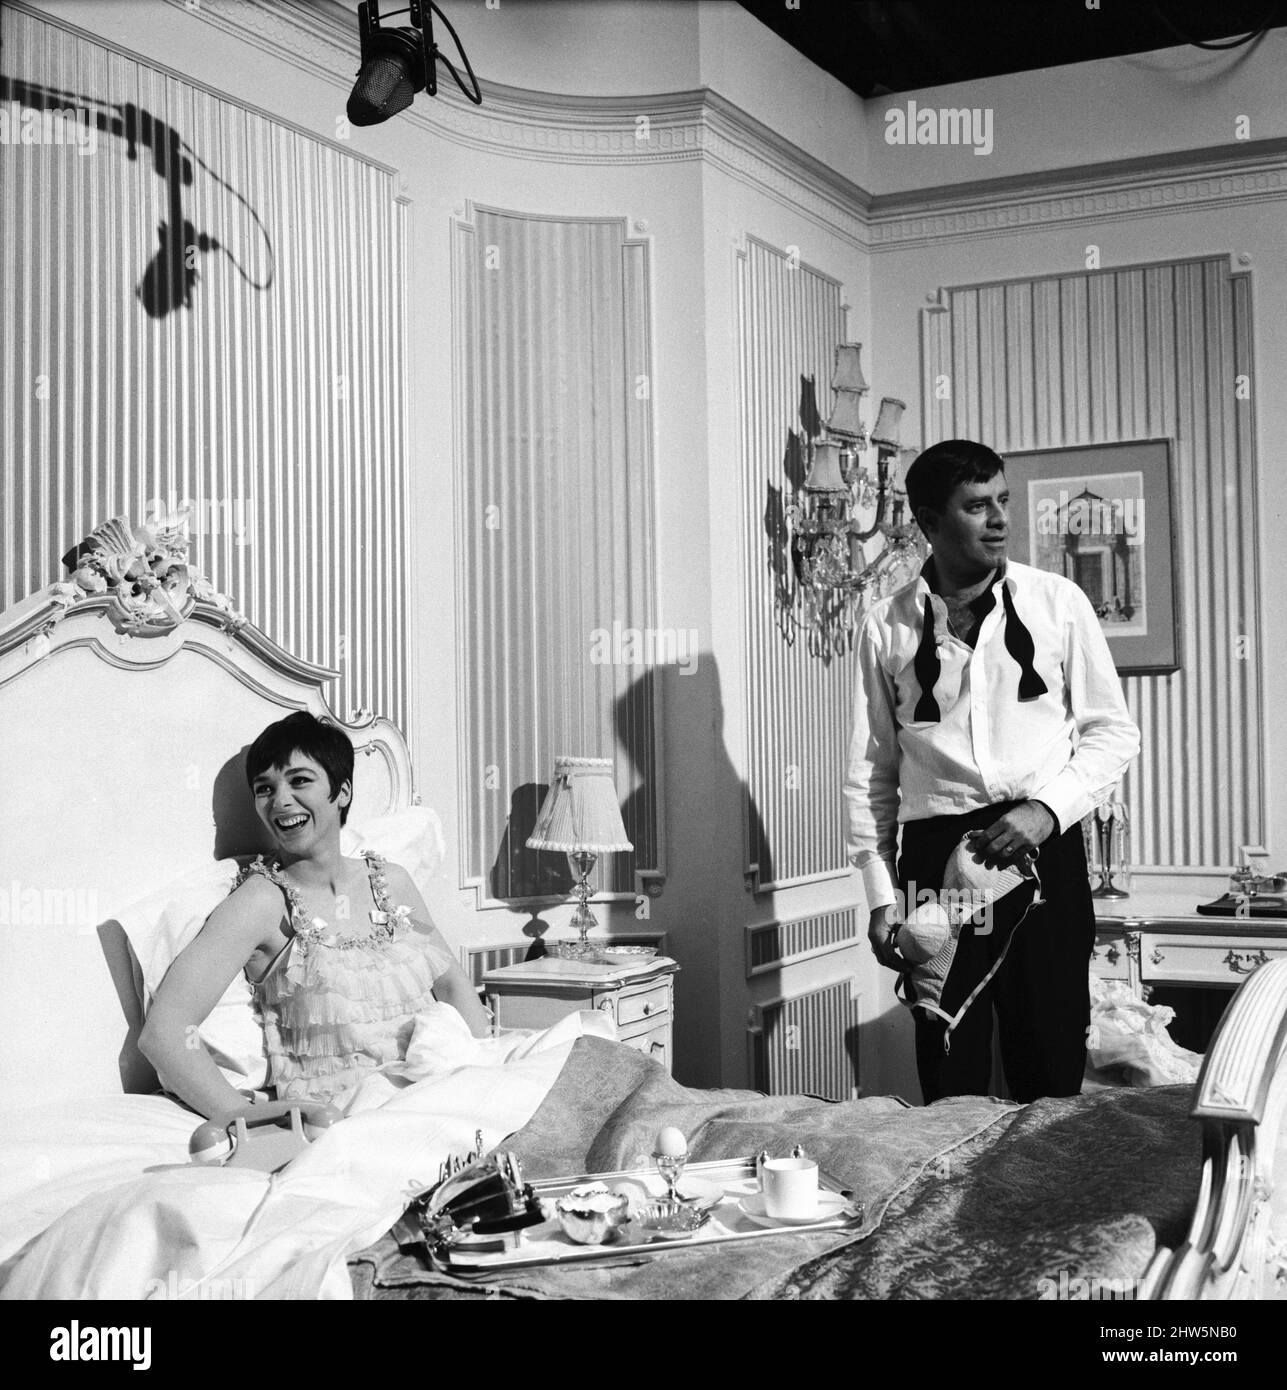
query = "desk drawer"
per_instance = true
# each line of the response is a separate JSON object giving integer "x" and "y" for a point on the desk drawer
{"x": 1167, "y": 957}
{"x": 1109, "y": 960}
{"x": 646, "y": 1004}
{"x": 655, "y": 1043}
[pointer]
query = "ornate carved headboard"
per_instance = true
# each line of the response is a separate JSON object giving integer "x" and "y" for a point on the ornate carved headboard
{"x": 122, "y": 734}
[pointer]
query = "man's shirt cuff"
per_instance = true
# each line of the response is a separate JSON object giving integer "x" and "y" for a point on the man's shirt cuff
{"x": 879, "y": 882}
{"x": 1066, "y": 799}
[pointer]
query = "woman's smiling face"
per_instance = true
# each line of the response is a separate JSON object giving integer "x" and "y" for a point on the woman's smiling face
{"x": 295, "y": 803}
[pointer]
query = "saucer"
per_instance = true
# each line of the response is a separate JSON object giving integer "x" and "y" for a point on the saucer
{"x": 830, "y": 1205}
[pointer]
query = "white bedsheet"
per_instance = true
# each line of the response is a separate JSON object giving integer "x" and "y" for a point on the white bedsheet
{"x": 82, "y": 1220}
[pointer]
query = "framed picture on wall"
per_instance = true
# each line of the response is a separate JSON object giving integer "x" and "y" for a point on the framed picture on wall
{"x": 1104, "y": 516}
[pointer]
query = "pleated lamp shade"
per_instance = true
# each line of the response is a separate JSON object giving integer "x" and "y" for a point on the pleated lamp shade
{"x": 824, "y": 472}
{"x": 580, "y": 813}
{"x": 847, "y": 375}
{"x": 846, "y": 418}
{"x": 885, "y": 430}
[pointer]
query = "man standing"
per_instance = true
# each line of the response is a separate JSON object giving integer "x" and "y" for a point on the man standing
{"x": 988, "y": 707}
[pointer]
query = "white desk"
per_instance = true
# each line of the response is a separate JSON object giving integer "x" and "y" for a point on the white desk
{"x": 1155, "y": 937}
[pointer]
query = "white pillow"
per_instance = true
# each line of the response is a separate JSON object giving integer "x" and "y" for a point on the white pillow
{"x": 414, "y": 840}
{"x": 159, "y": 927}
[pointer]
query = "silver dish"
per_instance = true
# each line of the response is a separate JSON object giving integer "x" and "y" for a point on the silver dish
{"x": 605, "y": 954}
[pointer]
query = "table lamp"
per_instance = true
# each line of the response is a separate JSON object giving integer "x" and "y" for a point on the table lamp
{"x": 581, "y": 817}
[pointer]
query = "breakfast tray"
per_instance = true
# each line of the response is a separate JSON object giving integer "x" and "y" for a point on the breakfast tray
{"x": 732, "y": 1181}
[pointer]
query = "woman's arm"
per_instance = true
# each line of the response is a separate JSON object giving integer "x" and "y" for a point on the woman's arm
{"x": 241, "y": 925}
{"x": 453, "y": 985}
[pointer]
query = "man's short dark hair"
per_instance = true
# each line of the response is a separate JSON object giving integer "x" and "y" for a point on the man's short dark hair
{"x": 939, "y": 470}
{"x": 302, "y": 732}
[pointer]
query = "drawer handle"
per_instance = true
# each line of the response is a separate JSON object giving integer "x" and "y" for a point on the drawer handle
{"x": 1244, "y": 962}
{"x": 657, "y": 1047}
{"x": 647, "y": 1008}
{"x": 1155, "y": 956}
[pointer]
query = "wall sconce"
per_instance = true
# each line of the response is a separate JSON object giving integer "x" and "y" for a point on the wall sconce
{"x": 581, "y": 817}
{"x": 850, "y": 543}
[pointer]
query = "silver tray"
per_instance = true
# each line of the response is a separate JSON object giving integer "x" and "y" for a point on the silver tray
{"x": 545, "y": 1246}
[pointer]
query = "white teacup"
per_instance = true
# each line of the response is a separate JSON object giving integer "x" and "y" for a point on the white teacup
{"x": 790, "y": 1188}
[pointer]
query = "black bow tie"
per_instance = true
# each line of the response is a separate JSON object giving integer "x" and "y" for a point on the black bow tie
{"x": 1018, "y": 642}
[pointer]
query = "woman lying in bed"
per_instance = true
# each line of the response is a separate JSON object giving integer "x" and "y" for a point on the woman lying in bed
{"x": 339, "y": 953}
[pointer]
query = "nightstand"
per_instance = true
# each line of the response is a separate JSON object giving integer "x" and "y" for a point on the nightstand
{"x": 638, "y": 998}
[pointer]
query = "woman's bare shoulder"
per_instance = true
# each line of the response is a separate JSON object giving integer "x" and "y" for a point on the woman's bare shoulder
{"x": 256, "y": 902}
{"x": 398, "y": 877}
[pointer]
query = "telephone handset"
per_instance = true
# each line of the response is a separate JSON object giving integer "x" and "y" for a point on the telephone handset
{"x": 260, "y": 1139}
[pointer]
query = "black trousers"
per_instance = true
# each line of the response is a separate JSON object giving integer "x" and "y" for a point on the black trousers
{"x": 1041, "y": 992}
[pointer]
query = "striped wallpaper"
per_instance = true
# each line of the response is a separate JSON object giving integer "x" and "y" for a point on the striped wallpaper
{"x": 554, "y": 515}
{"x": 798, "y": 705}
{"x": 1152, "y": 351}
{"x": 206, "y": 305}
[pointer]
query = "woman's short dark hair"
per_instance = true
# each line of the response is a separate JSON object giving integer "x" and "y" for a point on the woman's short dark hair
{"x": 939, "y": 470}
{"x": 302, "y": 732}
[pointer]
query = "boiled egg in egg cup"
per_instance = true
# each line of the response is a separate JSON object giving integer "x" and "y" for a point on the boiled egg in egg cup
{"x": 670, "y": 1155}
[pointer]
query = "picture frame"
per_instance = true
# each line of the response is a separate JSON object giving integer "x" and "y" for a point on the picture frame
{"x": 1104, "y": 516}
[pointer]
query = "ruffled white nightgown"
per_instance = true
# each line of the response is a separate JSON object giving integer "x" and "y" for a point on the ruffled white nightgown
{"x": 337, "y": 1007}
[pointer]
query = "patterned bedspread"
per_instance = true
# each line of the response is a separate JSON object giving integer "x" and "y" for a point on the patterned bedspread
{"x": 969, "y": 1198}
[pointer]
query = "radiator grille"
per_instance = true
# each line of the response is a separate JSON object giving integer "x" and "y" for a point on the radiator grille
{"x": 808, "y": 1044}
{"x": 777, "y": 943}
{"x": 478, "y": 963}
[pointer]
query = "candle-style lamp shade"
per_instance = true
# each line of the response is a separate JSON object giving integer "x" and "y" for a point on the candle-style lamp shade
{"x": 580, "y": 816}
{"x": 847, "y": 375}
{"x": 846, "y": 417}
{"x": 824, "y": 472}
{"x": 884, "y": 433}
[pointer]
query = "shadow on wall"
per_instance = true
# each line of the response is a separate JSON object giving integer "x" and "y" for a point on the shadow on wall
{"x": 528, "y": 879}
{"x": 782, "y": 558}
{"x": 171, "y": 275}
{"x": 238, "y": 829}
{"x": 715, "y": 842}
{"x": 695, "y": 701}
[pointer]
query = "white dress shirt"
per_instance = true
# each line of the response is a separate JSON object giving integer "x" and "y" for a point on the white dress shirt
{"x": 1067, "y": 748}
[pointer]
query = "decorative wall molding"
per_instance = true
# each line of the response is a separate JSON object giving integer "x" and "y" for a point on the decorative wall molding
{"x": 703, "y": 125}
{"x": 554, "y": 499}
{"x": 1143, "y": 352}
{"x": 1245, "y": 172}
{"x": 558, "y": 128}
{"x": 317, "y": 36}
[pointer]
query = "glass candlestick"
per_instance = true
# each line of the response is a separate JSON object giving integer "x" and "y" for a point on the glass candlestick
{"x": 1110, "y": 837}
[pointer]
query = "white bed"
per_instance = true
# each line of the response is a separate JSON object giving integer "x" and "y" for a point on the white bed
{"x": 122, "y": 754}
{"x": 124, "y": 777}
